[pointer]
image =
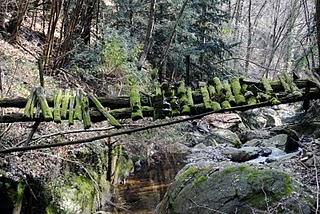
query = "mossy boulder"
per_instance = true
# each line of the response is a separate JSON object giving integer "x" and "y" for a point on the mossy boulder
{"x": 238, "y": 188}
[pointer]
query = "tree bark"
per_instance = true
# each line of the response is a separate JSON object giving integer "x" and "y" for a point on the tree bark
{"x": 248, "y": 53}
{"x": 318, "y": 26}
{"x": 149, "y": 36}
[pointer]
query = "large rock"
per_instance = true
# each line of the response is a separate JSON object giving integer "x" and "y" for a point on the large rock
{"x": 254, "y": 134}
{"x": 282, "y": 141}
{"x": 224, "y": 136}
{"x": 245, "y": 153}
{"x": 241, "y": 188}
{"x": 260, "y": 118}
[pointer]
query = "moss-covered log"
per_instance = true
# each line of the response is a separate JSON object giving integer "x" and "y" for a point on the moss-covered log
{"x": 251, "y": 99}
{"x": 218, "y": 85}
{"x": 236, "y": 86}
{"x": 228, "y": 93}
{"x": 284, "y": 83}
{"x": 30, "y": 106}
{"x": 57, "y": 106}
{"x": 267, "y": 86}
{"x": 205, "y": 95}
{"x": 212, "y": 91}
{"x": 135, "y": 103}
{"x": 45, "y": 109}
{"x": 225, "y": 104}
{"x": 114, "y": 122}
{"x": 77, "y": 115}
{"x": 71, "y": 108}
{"x": 174, "y": 104}
{"x": 125, "y": 113}
{"x": 240, "y": 99}
{"x": 183, "y": 98}
{"x": 157, "y": 103}
{"x": 85, "y": 111}
{"x": 65, "y": 104}
{"x": 293, "y": 87}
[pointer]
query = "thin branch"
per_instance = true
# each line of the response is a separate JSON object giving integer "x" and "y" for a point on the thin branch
{"x": 65, "y": 133}
{"x": 250, "y": 61}
{"x": 6, "y": 130}
{"x": 164, "y": 56}
{"x": 33, "y": 131}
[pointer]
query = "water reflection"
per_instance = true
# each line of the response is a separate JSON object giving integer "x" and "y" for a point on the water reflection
{"x": 143, "y": 191}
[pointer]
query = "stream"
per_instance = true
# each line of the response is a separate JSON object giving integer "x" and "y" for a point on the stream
{"x": 144, "y": 189}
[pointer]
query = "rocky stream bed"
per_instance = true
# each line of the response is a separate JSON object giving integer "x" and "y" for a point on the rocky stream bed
{"x": 262, "y": 161}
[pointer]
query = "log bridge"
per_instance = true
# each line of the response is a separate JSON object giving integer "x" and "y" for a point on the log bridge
{"x": 167, "y": 100}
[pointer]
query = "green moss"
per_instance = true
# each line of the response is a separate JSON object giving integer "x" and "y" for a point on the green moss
{"x": 217, "y": 83}
{"x": 45, "y": 110}
{"x": 225, "y": 104}
{"x": 284, "y": 84}
{"x": 244, "y": 88}
{"x": 215, "y": 106}
{"x": 240, "y": 99}
{"x": 275, "y": 101}
{"x": 212, "y": 91}
{"x": 50, "y": 210}
{"x": 20, "y": 192}
{"x": 230, "y": 169}
{"x": 288, "y": 186}
{"x": 29, "y": 108}
{"x": 181, "y": 89}
{"x": 71, "y": 108}
{"x": 114, "y": 122}
{"x": 77, "y": 115}
{"x": 229, "y": 97}
{"x": 267, "y": 86}
{"x": 199, "y": 180}
{"x": 252, "y": 100}
{"x": 57, "y": 106}
{"x": 205, "y": 96}
{"x": 135, "y": 103}
{"x": 65, "y": 104}
{"x": 85, "y": 112}
{"x": 235, "y": 85}
{"x": 189, "y": 172}
{"x": 190, "y": 98}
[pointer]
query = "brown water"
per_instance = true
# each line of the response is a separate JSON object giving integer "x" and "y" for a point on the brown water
{"x": 144, "y": 190}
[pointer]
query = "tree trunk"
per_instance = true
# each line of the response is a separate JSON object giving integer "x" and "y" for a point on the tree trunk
{"x": 248, "y": 53}
{"x": 318, "y": 26}
{"x": 148, "y": 40}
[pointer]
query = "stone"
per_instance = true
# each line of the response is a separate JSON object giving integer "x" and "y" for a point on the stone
{"x": 254, "y": 134}
{"x": 242, "y": 188}
{"x": 278, "y": 141}
{"x": 224, "y": 136}
{"x": 242, "y": 154}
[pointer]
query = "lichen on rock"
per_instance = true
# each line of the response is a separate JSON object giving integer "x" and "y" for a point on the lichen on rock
{"x": 242, "y": 188}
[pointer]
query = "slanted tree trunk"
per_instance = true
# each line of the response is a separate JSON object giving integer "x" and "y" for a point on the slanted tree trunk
{"x": 16, "y": 22}
{"x": 318, "y": 26}
{"x": 149, "y": 36}
{"x": 248, "y": 53}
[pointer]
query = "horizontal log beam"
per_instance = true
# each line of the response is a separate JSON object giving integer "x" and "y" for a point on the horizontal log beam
{"x": 123, "y": 102}
{"x": 125, "y": 113}
{"x": 113, "y": 103}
